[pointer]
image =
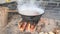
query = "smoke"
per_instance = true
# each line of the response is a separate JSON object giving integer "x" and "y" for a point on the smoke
{"x": 33, "y": 2}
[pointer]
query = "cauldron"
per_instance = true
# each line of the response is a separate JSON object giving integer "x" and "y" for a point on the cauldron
{"x": 30, "y": 12}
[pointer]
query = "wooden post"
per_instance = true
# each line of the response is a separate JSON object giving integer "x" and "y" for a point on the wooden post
{"x": 3, "y": 17}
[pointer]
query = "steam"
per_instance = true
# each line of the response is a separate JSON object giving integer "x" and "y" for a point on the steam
{"x": 29, "y": 7}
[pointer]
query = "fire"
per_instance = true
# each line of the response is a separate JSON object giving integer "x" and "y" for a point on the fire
{"x": 22, "y": 26}
{"x": 26, "y": 26}
{"x": 32, "y": 28}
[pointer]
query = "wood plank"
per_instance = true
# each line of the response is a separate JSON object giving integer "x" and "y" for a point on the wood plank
{"x": 12, "y": 11}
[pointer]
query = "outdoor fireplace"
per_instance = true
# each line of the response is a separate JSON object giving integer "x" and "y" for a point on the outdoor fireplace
{"x": 28, "y": 23}
{"x": 30, "y": 13}
{"x": 30, "y": 16}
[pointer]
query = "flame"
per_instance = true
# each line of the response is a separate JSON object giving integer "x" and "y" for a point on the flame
{"x": 26, "y": 26}
{"x": 22, "y": 26}
{"x": 32, "y": 28}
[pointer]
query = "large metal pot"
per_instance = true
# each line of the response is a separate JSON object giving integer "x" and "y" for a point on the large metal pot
{"x": 30, "y": 13}
{"x": 30, "y": 10}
